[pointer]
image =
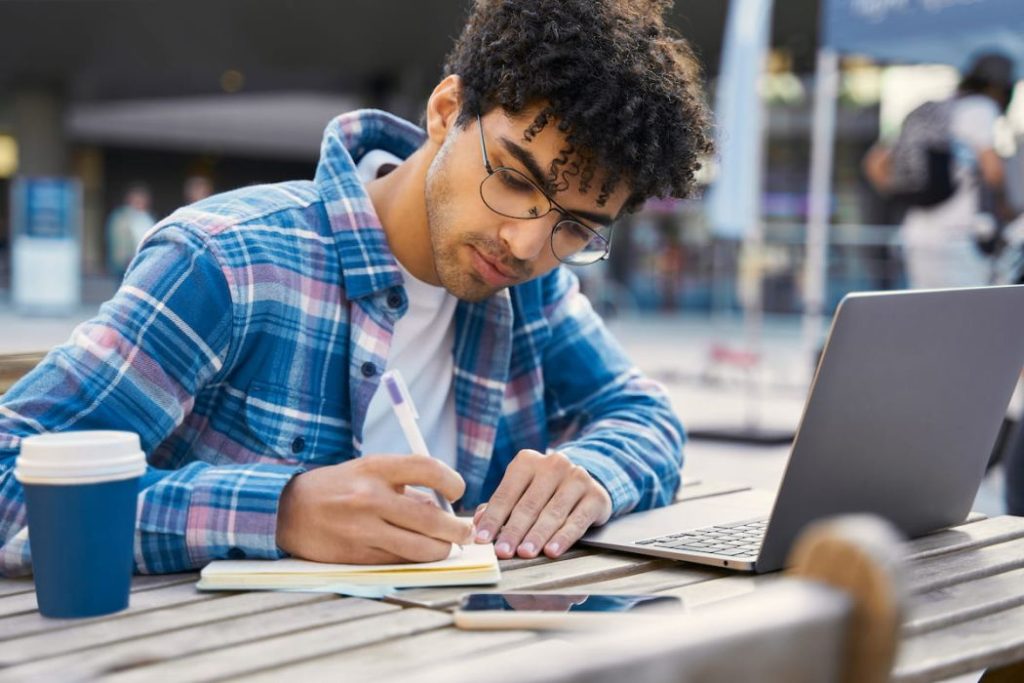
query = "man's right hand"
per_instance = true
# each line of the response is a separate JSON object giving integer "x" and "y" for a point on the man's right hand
{"x": 358, "y": 512}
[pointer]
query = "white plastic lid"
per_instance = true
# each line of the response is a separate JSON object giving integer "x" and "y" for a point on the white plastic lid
{"x": 79, "y": 458}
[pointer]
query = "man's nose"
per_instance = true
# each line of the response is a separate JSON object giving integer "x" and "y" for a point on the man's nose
{"x": 527, "y": 239}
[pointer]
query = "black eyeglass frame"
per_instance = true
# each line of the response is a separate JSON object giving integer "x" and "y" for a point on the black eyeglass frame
{"x": 567, "y": 216}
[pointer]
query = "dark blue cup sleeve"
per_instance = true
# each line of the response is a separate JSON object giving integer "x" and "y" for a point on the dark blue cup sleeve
{"x": 81, "y": 538}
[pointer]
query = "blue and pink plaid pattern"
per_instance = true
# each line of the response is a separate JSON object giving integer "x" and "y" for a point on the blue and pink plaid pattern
{"x": 249, "y": 336}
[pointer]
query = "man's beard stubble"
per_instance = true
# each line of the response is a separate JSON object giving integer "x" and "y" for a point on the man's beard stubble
{"x": 444, "y": 240}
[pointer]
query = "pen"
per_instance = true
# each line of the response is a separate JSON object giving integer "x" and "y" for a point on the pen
{"x": 406, "y": 413}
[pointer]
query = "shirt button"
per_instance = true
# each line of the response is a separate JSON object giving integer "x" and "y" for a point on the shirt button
{"x": 394, "y": 300}
{"x": 368, "y": 369}
{"x": 236, "y": 554}
{"x": 298, "y": 444}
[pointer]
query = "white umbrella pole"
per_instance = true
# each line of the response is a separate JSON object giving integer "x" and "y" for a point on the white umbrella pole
{"x": 816, "y": 260}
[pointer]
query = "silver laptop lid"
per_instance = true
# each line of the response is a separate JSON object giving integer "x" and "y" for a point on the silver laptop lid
{"x": 903, "y": 411}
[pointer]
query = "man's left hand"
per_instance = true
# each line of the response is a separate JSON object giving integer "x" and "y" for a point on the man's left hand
{"x": 544, "y": 502}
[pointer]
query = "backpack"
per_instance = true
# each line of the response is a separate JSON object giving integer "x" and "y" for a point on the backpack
{"x": 921, "y": 161}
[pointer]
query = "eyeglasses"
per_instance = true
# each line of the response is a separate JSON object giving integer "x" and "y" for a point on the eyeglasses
{"x": 510, "y": 193}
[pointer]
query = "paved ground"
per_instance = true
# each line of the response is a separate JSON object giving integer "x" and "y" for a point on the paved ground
{"x": 675, "y": 349}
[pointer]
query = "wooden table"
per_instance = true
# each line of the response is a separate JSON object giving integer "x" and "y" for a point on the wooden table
{"x": 14, "y": 366}
{"x": 967, "y": 614}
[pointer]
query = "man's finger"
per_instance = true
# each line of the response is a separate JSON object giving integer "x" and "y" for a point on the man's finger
{"x": 430, "y": 521}
{"x": 510, "y": 490}
{"x": 525, "y": 514}
{"x": 479, "y": 512}
{"x": 552, "y": 517}
{"x": 412, "y": 547}
{"x": 418, "y": 470}
{"x": 580, "y": 519}
{"x": 419, "y": 496}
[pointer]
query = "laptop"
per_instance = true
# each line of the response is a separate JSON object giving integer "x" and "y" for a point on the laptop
{"x": 902, "y": 415}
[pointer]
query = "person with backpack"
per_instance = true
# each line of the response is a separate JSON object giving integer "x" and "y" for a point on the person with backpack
{"x": 944, "y": 169}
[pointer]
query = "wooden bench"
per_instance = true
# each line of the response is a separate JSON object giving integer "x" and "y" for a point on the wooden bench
{"x": 14, "y": 366}
{"x": 835, "y": 618}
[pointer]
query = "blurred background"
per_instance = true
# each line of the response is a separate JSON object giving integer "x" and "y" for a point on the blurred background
{"x": 115, "y": 112}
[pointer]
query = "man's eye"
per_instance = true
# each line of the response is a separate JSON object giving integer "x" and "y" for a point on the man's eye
{"x": 534, "y": 211}
{"x": 579, "y": 233}
{"x": 515, "y": 183}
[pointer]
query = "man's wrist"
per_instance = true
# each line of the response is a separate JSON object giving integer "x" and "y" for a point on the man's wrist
{"x": 284, "y": 516}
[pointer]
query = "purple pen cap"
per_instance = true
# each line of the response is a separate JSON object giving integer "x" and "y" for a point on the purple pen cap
{"x": 398, "y": 391}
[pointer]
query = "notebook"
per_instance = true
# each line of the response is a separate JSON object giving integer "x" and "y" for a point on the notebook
{"x": 469, "y": 566}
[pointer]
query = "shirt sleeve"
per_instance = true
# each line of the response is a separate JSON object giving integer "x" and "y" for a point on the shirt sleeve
{"x": 137, "y": 366}
{"x": 973, "y": 122}
{"x": 615, "y": 422}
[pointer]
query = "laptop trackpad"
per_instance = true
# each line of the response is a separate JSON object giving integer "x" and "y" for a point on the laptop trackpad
{"x": 690, "y": 514}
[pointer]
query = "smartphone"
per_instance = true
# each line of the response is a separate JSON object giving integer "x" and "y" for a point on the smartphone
{"x": 493, "y": 611}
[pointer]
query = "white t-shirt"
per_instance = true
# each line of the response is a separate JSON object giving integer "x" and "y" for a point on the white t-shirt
{"x": 421, "y": 349}
{"x": 939, "y": 240}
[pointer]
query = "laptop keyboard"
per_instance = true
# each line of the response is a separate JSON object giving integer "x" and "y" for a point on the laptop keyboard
{"x": 731, "y": 540}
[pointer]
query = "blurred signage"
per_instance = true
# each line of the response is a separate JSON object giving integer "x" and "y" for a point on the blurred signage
{"x": 46, "y": 217}
{"x": 935, "y": 31}
{"x": 46, "y": 208}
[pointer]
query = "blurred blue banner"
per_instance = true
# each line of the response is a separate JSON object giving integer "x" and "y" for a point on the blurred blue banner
{"x": 735, "y": 198}
{"x": 46, "y": 223}
{"x": 45, "y": 207}
{"x": 938, "y": 31}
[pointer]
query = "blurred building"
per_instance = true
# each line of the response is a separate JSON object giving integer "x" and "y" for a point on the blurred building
{"x": 119, "y": 91}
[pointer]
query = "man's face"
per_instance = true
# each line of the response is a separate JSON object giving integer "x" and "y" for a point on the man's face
{"x": 478, "y": 252}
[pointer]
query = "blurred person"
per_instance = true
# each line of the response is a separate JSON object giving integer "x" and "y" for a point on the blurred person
{"x": 1013, "y": 467}
{"x": 247, "y": 342}
{"x": 669, "y": 265}
{"x": 948, "y": 243}
{"x": 126, "y": 227}
{"x": 197, "y": 188}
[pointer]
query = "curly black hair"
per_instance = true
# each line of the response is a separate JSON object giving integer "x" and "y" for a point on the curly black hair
{"x": 622, "y": 86}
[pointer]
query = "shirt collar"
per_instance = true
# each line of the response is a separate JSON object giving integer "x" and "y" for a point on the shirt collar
{"x": 366, "y": 260}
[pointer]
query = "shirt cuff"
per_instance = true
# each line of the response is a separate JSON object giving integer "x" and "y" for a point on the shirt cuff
{"x": 233, "y": 512}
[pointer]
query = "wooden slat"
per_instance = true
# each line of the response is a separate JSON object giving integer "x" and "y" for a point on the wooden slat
{"x": 295, "y": 647}
{"x": 407, "y": 655}
{"x": 947, "y": 570}
{"x": 148, "y": 582}
{"x": 704, "y": 593}
{"x": 965, "y": 601}
{"x": 519, "y": 562}
{"x": 43, "y": 645}
{"x": 33, "y": 622}
{"x": 11, "y": 587}
{"x": 966, "y": 536}
{"x": 990, "y": 641}
{"x": 670, "y": 576}
{"x": 15, "y": 586}
{"x": 791, "y": 633}
{"x": 559, "y": 574}
{"x": 13, "y": 366}
{"x": 211, "y": 636}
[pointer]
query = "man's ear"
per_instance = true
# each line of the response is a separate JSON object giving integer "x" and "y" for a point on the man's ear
{"x": 443, "y": 108}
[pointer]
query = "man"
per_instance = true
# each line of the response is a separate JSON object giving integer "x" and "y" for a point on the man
{"x": 941, "y": 242}
{"x": 247, "y": 342}
{"x": 126, "y": 227}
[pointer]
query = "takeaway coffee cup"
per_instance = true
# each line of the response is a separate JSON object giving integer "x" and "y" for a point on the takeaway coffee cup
{"x": 81, "y": 490}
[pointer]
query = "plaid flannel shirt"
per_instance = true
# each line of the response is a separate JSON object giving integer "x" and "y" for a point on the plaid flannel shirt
{"x": 249, "y": 335}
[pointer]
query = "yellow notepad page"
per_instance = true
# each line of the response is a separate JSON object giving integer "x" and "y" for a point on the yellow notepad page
{"x": 469, "y": 566}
